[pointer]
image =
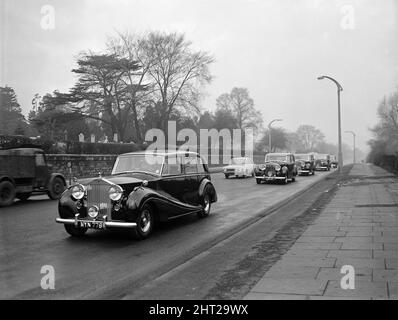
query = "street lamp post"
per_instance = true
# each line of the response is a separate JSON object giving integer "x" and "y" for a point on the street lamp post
{"x": 269, "y": 133}
{"x": 339, "y": 89}
{"x": 353, "y": 135}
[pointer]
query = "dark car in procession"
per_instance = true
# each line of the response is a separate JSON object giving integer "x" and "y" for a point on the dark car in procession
{"x": 143, "y": 188}
{"x": 322, "y": 162}
{"x": 277, "y": 167}
{"x": 305, "y": 163}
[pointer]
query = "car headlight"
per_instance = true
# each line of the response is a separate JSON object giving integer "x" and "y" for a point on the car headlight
{"x": 277, "y": 167}
{"x": 78, "y": 191}
{"x": 93, "y": 212}
{"x": 115, "y": 193}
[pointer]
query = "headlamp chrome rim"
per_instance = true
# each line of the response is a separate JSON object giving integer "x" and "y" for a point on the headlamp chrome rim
{"x": 78, "y": 191}
{"x": 115, "y": 193}
{"x": 93, "y": 212}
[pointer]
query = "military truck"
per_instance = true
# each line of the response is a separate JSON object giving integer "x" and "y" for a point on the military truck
{"x": 24, "y": 171}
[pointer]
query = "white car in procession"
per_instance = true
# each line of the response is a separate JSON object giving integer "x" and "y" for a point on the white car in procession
{"x": 239, "y": 167}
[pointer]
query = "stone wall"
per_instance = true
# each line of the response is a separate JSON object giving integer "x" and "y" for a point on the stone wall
{"x": 81, "y": 166}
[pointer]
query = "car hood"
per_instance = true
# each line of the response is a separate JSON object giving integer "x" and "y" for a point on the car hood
{"x": 274, "y": 163}
{"x": 233, "y": 166}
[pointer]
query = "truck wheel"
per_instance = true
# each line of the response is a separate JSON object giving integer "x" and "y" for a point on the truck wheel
{"x": 75, "y": 231}
{"x": 56, "y": 188}
{"x": 24, "y": 196}
{"x": 7, "y": 193}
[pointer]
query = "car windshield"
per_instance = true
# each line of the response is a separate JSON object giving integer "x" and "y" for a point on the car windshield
{"x": 322, "y": 156}
{"x": 274, "y": 157}
{"x": 138, "y": 163}
{"x": 237, "y": 161}
{"x": 302, "y": 157}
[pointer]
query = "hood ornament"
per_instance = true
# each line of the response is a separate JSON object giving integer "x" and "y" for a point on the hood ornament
{"x": 99, "y": 174}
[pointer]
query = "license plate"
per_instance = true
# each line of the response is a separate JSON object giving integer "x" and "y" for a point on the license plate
{"x": 92, "y": 224}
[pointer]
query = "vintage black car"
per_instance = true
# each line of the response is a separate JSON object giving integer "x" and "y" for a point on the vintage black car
{"x": 322, "y": 162}
{"x": 24, "y": 171}
{"x": 277, "y": 167}
{"x": 143, "y": 188}
{"x": 305, "y": 163}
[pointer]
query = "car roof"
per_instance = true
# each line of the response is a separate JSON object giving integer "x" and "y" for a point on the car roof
{"x": 280, "y": 154}
{"x": 161, "y": 153}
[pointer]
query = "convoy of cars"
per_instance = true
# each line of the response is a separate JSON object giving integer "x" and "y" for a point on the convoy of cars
{"x": 143, "y": 188}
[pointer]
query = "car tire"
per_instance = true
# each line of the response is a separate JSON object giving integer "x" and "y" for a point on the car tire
{"x": 56, "y": 188}
{"x": 258, "y": 181}
{"x": 24, "y": 196}
{"x": 7, "y": 193}
{"x": 286, "y": 180}
{"x": 226, "y": 176}
{"x": 75, "y": 231}
{"x": 206, "y": 205}
{"x": 144, "y": 221}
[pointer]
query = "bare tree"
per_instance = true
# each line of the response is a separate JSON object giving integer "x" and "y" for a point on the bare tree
{"x": 239, "y": 103}
{"x": 178, "y": 72}
{"x": 309, "y": 137}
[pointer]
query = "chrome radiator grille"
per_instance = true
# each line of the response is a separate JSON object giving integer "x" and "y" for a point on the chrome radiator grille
{"x": 98, "y": 195}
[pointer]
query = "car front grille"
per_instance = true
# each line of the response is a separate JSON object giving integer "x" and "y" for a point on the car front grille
{"x": 98, "y": 195}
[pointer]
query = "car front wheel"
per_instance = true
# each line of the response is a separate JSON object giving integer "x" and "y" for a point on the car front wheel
{"x": 144, "y": 221}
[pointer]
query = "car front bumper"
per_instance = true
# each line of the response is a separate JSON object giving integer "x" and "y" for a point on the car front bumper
{"x": 272, "y": 178}
{"x": 107, "y": 224}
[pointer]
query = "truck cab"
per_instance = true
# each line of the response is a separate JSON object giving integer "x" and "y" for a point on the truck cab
{"x": 24, "y": 171}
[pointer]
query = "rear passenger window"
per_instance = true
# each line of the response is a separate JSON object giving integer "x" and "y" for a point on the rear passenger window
{"x": 172, "y": 166}
{"x": 191, "y": 164}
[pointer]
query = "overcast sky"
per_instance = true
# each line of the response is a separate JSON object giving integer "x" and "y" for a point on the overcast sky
{"x": 276, "y": 49}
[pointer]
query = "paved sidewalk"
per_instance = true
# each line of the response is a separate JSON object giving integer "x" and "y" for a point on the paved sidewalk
{"x": 358, "y": 228}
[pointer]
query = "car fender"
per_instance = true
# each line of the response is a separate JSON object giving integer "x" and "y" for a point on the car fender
{"x": 206, "y": 183}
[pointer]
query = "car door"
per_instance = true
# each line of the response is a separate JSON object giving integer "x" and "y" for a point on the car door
{"x": 172, "y": 180}
{"x": 191, "y": 188}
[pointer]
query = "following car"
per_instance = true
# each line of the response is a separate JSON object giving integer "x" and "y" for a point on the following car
{"x": 322, "y": 162}
{"x": 239, "y": 167}
{"x": 305, "y": 163}
{"x": 277, "y": 167}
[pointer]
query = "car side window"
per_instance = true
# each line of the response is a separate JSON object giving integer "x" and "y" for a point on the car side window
{"x": 39, "y": 159}
{"x": 172, "y": 166}
{"x": 191, "y": 164}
